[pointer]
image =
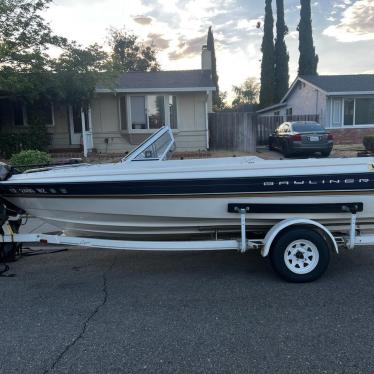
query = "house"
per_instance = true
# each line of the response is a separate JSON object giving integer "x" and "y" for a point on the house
{"x": 344, "y": 104}
{"x": 122, "y": 116}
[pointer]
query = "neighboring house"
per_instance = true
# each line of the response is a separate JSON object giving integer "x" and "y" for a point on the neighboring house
{"x": 343, "y": 103}
{"x": 121, "y": 117}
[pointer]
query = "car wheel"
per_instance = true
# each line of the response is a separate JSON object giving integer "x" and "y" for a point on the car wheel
{"x": 300, "y": 255}
{"x": 325, "y": 153}
{"x": 285, "y": 150}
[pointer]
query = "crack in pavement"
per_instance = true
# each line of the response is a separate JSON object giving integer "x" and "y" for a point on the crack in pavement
{"x": 87, "y": 321}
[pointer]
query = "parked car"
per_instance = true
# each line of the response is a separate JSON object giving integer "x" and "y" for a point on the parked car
{"x": 301, "y": 137}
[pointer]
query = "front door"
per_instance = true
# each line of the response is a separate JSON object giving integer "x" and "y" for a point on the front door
{"x": 75, "y": 123}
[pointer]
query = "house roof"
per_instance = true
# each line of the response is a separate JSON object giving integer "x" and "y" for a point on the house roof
{"x": 161, "y": 81}
{"x": 272, "y": 107}
{"x": 354, "y": 83}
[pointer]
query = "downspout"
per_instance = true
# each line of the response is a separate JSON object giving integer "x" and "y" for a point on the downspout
{"x": 207, "y": 120}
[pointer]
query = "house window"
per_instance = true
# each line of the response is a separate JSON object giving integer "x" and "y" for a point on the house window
{"x": 156, "y": 111}
{"x": 138, "y": 113}
{"x": 356, "y": 111}
{"x": 364, "y": 111}
{"x": 173, "y": 112}
{"x": 148, "y": 112}
{"x": 277, "y": 113}
{"x": 349, "y": 110}
{"x": 337, "y": 112}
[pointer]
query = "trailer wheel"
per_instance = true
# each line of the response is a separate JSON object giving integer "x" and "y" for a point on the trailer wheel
{"x": 300, "y": 255}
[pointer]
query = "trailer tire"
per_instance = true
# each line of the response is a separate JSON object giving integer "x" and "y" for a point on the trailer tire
{"x": 300, "y": 255}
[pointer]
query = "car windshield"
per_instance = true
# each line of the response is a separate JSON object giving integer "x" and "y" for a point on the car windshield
{"x": 307, "y": 127}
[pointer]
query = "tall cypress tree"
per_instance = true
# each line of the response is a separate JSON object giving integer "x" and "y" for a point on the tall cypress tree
{"x": 308, "y": 59}
{"x": 267, "y": 63}
{"x": 210, "y": 47}
{"x": 281, "y": 55}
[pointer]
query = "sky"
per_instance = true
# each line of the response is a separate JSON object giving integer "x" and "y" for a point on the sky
{"x": 343, "y": 32}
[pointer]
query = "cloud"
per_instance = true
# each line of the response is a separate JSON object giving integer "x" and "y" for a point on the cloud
{"x": 293, "y": 35}
{"x": 248, "y": 24}
{"x": 142, "y": 20}
{"x": 158, "y": 40}
{"x": 356, "y": 24}
{"x": 342, "y": 6}
{"x": 188, "y": 47}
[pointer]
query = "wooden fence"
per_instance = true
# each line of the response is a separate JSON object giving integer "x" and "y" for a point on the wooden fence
{"x": 232, "y": 131}
{"x": 242, "y": 131}
{"x": 267, "y": 124}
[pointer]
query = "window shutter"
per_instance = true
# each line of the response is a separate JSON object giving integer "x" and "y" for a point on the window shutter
{"x": 123, "y": 112}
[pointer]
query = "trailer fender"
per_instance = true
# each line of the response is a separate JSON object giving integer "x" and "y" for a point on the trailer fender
{"x": 277, "y": 228}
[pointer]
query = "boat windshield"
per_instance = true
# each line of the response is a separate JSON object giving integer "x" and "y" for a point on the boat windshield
{"x": 159, "y": 146}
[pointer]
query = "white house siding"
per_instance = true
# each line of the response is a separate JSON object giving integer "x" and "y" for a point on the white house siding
{"x": 60, "y": 137}
{"x": 191, "y": 133}
{"x": 108, "y": 138}
{"x": 305, "y": 99}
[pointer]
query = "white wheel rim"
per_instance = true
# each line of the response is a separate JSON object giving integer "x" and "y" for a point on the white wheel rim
{"x": 301, "y": 256}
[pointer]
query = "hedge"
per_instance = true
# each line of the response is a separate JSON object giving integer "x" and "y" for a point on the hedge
{"x": 368, "y": 142}
{"x": 34, "y": 137}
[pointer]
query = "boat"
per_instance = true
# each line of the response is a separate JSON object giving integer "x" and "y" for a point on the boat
{"x": 150, "y": 196}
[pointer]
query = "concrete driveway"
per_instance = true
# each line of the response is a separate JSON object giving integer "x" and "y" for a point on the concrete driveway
{"x": 106, "y": 311}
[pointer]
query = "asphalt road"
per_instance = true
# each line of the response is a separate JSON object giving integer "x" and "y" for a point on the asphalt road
{"x": 106, "y": 311}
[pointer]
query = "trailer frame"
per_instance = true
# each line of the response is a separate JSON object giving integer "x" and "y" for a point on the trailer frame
{"x": 241, "y": 244}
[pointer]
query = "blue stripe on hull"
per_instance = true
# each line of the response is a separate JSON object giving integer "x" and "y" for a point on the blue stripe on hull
{"x": 341, "y": 182}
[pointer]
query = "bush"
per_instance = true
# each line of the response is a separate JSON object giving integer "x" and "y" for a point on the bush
{"x": 29, "y": 158}
{"x": 368, "y": 142}
{"x": 34, "y": 137}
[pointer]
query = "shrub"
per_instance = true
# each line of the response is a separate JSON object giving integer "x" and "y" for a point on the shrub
{"x": 29, "y": 158}
{"x": 368, "y": 142}
{"x": 35, "y": 136}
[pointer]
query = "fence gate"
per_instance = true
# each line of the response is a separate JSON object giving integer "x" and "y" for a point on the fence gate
{"x": 232, "y": 131}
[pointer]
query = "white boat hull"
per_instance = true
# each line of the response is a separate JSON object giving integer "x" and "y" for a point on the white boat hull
{"x": 147, "y": 196}
{"x": 146, "y": 218}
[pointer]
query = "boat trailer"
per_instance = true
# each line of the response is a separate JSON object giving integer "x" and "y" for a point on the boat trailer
{"x": 296, "y": 252}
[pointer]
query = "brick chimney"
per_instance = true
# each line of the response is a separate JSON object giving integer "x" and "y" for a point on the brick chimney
{"x": 206, "y": 59}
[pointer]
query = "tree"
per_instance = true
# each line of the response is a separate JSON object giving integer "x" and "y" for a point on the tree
{"x": 221, "y": 102}
{"x": 247, "y": 93}
{"x": 24, "y": 34}
{"x": 211, "y": 48}
{"x": 129, "y": 54}
{"x": 77, "y": 71}
{"x": 308, "y": 59}
{"x": 267, "y": 63}
{"x": 281, "y": 55}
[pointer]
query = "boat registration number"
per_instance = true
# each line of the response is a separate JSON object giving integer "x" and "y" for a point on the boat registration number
{"x": 314, "y": 138}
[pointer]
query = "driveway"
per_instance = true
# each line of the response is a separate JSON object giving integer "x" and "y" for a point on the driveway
{"x": 106, "y": 311}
